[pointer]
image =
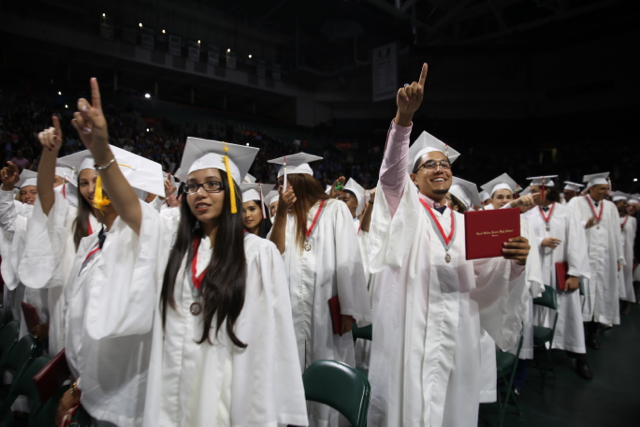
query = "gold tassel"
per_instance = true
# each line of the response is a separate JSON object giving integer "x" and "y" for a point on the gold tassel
{"x": 100, "y": 200}
{"x": 232, "y": 190}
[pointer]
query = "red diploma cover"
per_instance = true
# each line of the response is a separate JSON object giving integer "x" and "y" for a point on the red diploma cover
{"x": 334, "y": 310}
{"x": 485, "y": 232}
{"x": 30, "y": 316}
{"x": 562, "y": 275}
{"x": 52, "y": 376}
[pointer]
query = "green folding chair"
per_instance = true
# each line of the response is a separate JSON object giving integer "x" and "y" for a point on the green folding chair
{"x": 16, "y": 361}
{"x": 5, "y": 317}
{"x": 24, "y": 385}
{"x": 47, "y": 414}
{"x": 339, "y": 386}
{"x": 506, "y": 364}
{"x": 8, "y": 337}
{"x": 542, "y": 336}
{"x": 365, "y": 333}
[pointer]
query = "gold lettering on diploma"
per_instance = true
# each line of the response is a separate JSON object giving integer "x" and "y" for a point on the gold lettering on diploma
{"x": 493, "y": 233}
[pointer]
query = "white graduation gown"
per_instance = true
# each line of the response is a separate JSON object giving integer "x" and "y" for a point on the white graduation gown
{"x": 428, "y": 315}
{"x": 565, "y": 226}
{"x": 628, "y": 229}
{"x": 333, "y": 266}
{"x": 193, "y": 384}
{"x": 48, "y": 258}
{"x": 14, "y": 217}
{"x": 605, "y": 250}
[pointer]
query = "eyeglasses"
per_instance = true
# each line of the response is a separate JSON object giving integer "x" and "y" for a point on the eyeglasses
{"x": 433, "y": 165}
{"x": 209, "y": 187}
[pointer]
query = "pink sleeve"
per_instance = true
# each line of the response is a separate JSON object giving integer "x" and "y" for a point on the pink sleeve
{"x": 393, "y": 173}
{"x": 516, "y": 270}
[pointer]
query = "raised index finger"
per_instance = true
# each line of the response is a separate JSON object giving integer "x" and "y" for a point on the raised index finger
{"x": 423, "y": 74}
{"x": 56, "y": 125}
{"x": 95, "y": 94}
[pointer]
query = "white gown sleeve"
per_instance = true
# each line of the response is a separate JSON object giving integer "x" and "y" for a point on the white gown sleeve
{"x": 49, "y": 249}
{"x": 8, "y": 210}
{"x": 351, "y": 281}
{"x": 124, "y": 298}
{"x": 272, "y": 355}
{"x": 577, "y": 254}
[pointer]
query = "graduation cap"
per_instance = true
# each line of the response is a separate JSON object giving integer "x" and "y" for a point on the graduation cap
{"x": 295, "y": 163}
{"x": 64, "y": 172}
{"x": 544, "y": 181}
{"x": 27, "y": 177}
{"x": 619, "y": 195}
{"x": 596, "y": 179}
{"x": 271, "y": 197}
{"x": 503, "y": 182}
{"x": 484, "y": 196}
{"x": 249, "y": 179}
{"x": 141, "y": 173}
{"x": 202, "y": 154}
{"x": 255, "y": 192}
{"x": 573, "y": 186}
{"x": 427, "y": 143}
{"x": 358, "y": 191}
{"x": 466, "y": 192}
{"x": 634, "y": 198}
{"x": 327, "y": 189}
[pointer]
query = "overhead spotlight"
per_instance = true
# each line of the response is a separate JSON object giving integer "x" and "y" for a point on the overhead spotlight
{"x": 228, "y": 50}
{"x": 66, "y": 106}
{"x": 147, "y": 129}
{"x": 147, "y": 95}
{"x": 140, "y": 25}
{"x": 59, "y": 93}
{"x": 247, "y": 144}
{"x": 635, "y": 179}
{"x": 249, "y": 56}
{"x": 164, "y": 32}
{"x": 104, "y": 15}
{"x": 198, "y": 41}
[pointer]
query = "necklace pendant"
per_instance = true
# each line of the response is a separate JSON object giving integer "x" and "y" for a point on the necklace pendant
{"x": 447, "y": 258}
{"x": 195, "y": 308}
{"x": 307, "y": 246}
{"x": 548, "y": 228}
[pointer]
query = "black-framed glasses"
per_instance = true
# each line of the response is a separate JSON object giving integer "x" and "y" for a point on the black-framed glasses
{"x": 209, "y": 187}
{"x": 432, "y": 165}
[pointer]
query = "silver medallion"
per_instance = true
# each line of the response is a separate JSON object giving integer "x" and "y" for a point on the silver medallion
{"x": 447, "y": 258}
{"x": 195, "y": 308}
{"x": 307, "y": 246}
{"x": 548, "y": 228}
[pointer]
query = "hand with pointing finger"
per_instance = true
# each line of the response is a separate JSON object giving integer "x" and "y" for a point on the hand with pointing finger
{"x": 409, "y": 99}
{"x": 91, "y": 124}
{"x": 51, "y": 139}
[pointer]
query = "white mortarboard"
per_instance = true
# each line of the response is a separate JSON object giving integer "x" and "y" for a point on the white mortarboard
{"x": 141, "y": 173}
{"x": 596, "y": 179}
{"x": 206, "y": 153}
{"x": 64, "y": 172}
{"x": 427, "y": 143}
{"x": 466, "y": 192}
{"x": 619, "y": 195}
{"x": 273, "y": 196}
{"x": 249, "y": 179}
{"x": 27, "y": 177}
{"x": 255, "y": 192}
{"x": 295, "y": 163}
{"x": 573, "y": 186}
{"x": 634, "y": 198}
{"x": 357, "y": 191}
{"x": 484, "y": 196}
{"x": 538, "y": 180}
{"x": 503, "y": 182}
{"x": 526, "y": 191}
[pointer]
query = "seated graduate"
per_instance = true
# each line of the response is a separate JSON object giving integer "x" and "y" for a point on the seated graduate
{"x": 254, "y": 212}
{"x": 213, "y": 298}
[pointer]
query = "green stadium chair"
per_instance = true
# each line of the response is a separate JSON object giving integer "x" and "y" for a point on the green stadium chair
{"x": 506, "y": 364}
{"x": 543, "y": 337}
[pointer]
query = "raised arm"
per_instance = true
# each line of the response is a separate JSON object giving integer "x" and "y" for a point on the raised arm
{"x": 10, "y": 177}
{"x": 393, "y": 172}
{"x": 51, "y": 140}
{"x": 366, "y": 218}
{"x": 278, "y": 233}
{"x": 91, "y": 125}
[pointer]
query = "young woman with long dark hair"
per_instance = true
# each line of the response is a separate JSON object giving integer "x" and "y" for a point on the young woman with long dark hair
{"x": 255, "y": 213}
{"x": 317, "y": 238}
{"x": 213, "y": 297}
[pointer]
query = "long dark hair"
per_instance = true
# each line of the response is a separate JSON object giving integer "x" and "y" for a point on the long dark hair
{"x": 224, "y": 283}
{"x": 81, "y": 223}
{"x": 308, "y": 191}
{"x": 553, "y": 194}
